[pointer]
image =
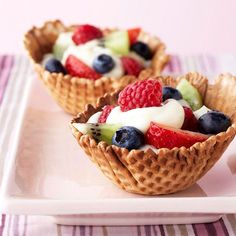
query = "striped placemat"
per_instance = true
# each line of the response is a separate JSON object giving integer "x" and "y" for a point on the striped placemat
{"x": 15, "y": 70}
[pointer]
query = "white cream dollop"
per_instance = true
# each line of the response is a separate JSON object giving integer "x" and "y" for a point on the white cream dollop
{"x": 83, "y": 52}
{"x": 65, "y": 39}
{"x": 170, "y": 114}
{"x": 89, "y": 51}
{"x": 94, "y": 118}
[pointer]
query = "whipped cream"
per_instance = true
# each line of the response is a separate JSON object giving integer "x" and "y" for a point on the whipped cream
{"x": 170, "y": 114}
{"x": 65, "y": 38}
{"x": 83, "y": 52}
{"x": 95, "y": 117}
{"x": 89, "y": 51}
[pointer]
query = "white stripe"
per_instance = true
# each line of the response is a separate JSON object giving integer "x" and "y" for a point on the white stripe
{"x": 142, "y": 229}
{"x": 190, "y": 229}
{"x": 177, "y": 230}
{"x": 41, "y": 225}
{"x": 203, "y": 66}
{"x": 228, "y": 225}
{"x": 11, "y": 104}
{"x": 166, "y": 231}
{"x": 66, "y": 230}
{"x": 24, "y": 224}
{"x": 7, "y": 227}
{"x": 196, "y": 59}
{"x": 9, "y": 93}
{"x": 211, "y": 74}
{"x": 97, "y": 231}
{"x": 184, "y": 64}
{"x": 190, "y": 63}
{"x": 86, "y": 231}
{"x": 209, "y": 66}
{"x": 206, "y": 63}
{"x": 21, "y": 221}
{"x": 4, "y": 113}
{"x": 157, "y": 228}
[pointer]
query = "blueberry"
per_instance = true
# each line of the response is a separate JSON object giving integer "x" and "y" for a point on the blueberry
{"x": 142, "y": 50}
{"x": 103, "y": 63}
{"x": 169, "y": 92}
{"x": 54, "y": 65}
{"x": 128, "y": 137}
{"x": 213, "y": 122}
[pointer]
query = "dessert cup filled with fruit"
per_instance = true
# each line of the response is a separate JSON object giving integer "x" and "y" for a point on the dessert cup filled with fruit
{"x": 79, "y": 64}
{"x": 159, "y": 135}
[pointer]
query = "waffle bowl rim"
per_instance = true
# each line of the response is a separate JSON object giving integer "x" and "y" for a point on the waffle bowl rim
{"x": 76, "y": 79}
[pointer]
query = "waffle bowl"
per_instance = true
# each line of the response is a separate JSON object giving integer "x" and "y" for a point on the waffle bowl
{"x": 166, "y": 170}
{"x": 73, "y": 93}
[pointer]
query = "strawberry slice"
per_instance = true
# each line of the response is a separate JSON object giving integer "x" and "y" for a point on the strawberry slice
{"x": 161, "y": 136}
{"x": 133, "y": 35}
{"x": 75, "y": 67}
{"x": 131, "y": 66}
{"x": 190, "y": 121}
{"x": 85, "y": 33}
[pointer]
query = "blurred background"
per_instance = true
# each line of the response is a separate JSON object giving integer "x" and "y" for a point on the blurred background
{"x": 186, "y": 26}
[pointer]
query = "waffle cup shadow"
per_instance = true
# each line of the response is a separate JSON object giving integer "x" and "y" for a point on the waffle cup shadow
{"x": 167, "y": 170}
{"x": 73, "y": 93}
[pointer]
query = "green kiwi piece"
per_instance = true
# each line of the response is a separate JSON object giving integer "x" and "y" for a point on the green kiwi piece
{"x": 118, "y": 42}
{"x": 190, "y": 94}
{"x": 100, "y": 132}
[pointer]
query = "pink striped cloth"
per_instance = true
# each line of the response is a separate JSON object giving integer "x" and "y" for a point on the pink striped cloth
{"x": 13, "y": 71}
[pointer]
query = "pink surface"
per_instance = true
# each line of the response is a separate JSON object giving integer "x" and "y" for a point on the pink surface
{"x": 206, "y": 26}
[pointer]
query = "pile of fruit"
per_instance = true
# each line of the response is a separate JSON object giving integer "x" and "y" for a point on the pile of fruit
{"x": 162, "y": 117}
{"x": 90, "y": 53}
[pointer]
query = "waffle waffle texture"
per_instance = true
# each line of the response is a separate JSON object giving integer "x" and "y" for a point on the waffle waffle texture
{"x": 73, "y": 93}
{"x": 166, "y": 170}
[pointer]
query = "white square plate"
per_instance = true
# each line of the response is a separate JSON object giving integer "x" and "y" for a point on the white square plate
{"x": 48, "y": 174}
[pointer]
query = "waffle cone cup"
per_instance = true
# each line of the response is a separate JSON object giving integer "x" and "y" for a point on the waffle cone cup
{"x": 73, "y": 93}
{"x": 166, "y": 170}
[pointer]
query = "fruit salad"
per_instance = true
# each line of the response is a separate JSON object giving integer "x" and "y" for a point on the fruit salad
{"x": 149, "y": 114}
{"x": 88, "y": 52}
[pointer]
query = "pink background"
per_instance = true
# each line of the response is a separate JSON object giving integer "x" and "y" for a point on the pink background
{"x": 187, "y": 26}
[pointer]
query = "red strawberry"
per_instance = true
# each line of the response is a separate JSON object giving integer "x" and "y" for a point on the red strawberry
{"x": 144, "y": 93}
{"x": 105, "y": 113}
{"x": 133, "y": 35}
{"x": 131, "y": 66}
{"x": 190, "y": 121}
{"x": 161, "y": 136}
{"x": 75, "y": 67}
{"x": 85, "y": 33}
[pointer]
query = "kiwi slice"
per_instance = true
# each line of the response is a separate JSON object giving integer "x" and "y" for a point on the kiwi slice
{"x": 118, "y": 42}
{"x": 100, "y": 132}
{"x": 190, "y": 94}
{"x": 63, "y": 41}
